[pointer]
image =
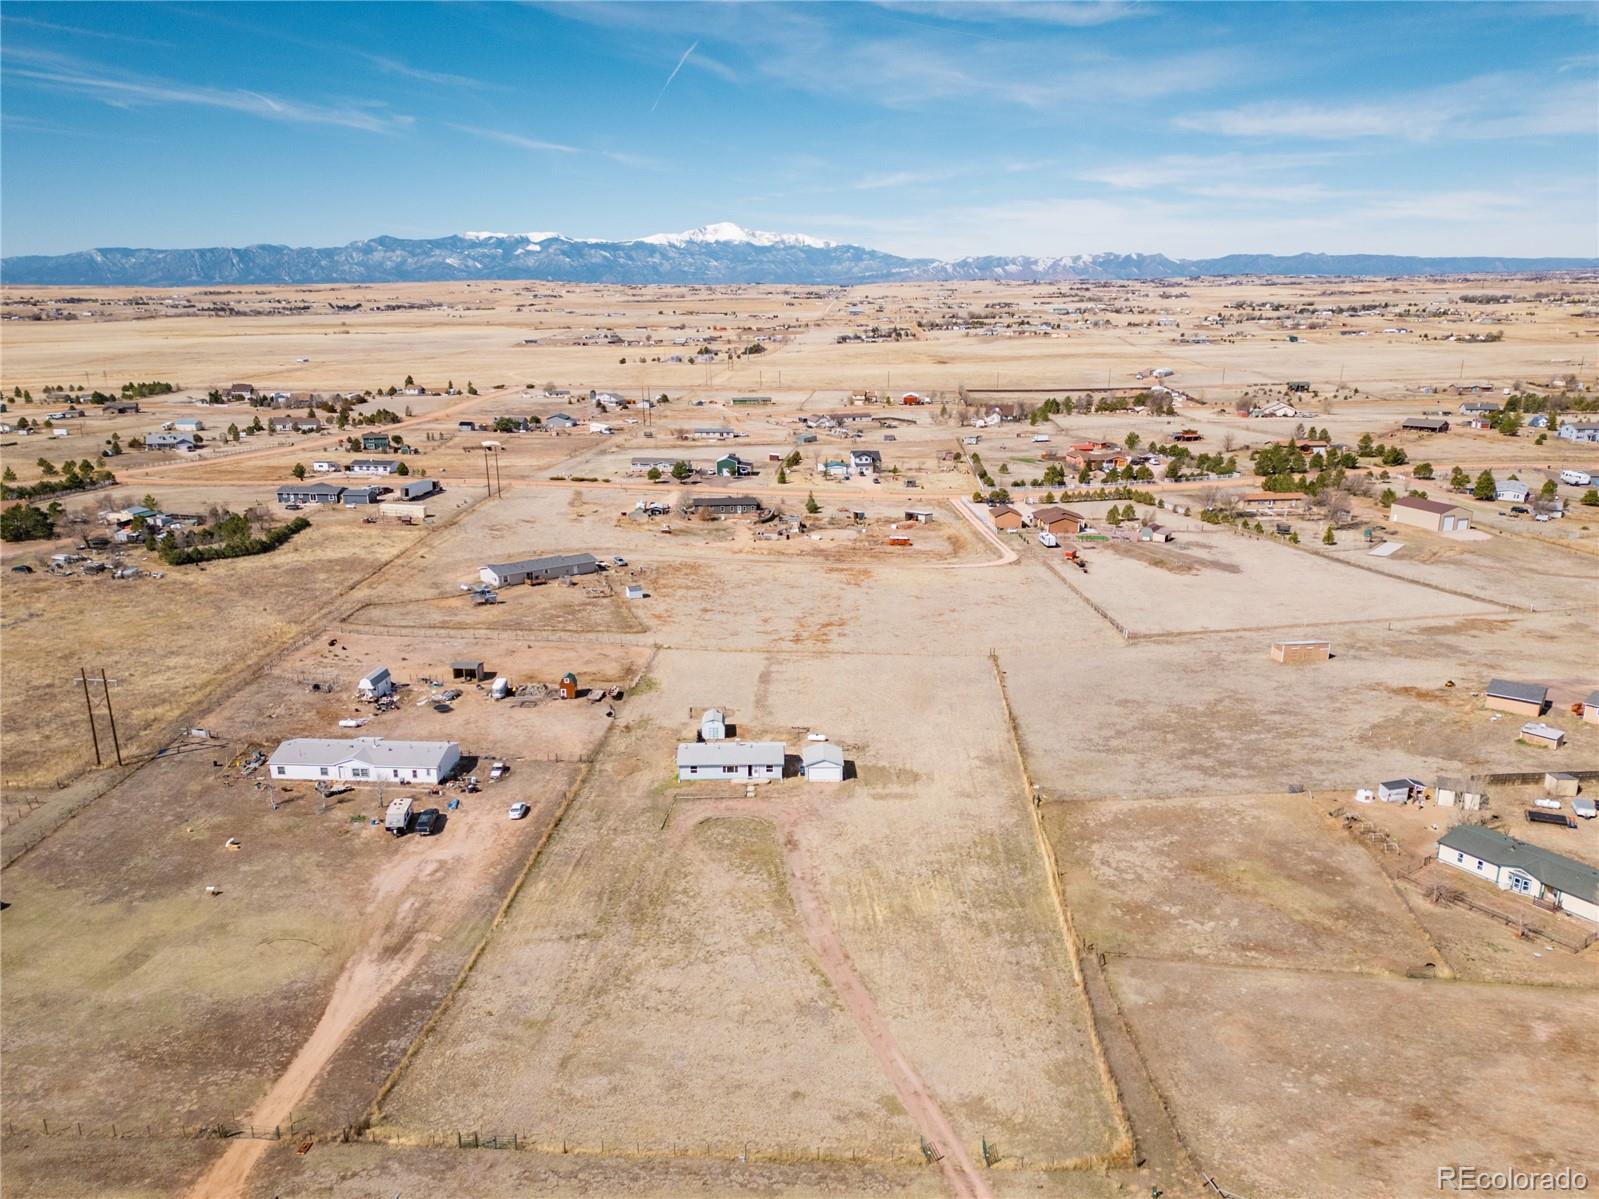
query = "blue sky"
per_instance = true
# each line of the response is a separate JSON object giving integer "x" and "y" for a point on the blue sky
{"x": 921, "y": 128}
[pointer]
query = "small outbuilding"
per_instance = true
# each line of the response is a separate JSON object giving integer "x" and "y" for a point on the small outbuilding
{"x": 1535, "y": 732}
{"x": 1399, "y": 790}
{"x": 568, "y": 685}
{"x": 471, "y": 670}
{"x": 1006, "y": 518}
{"x": 1561, "y": 784}
{"x": 822, "y": 762}
{"x": 375, "y": 684}
{"x": 713, "y": 725}
{"x": 1466, "y": 793}
{"x": 1590, "y": 708}
{"x": 1524, "y": 699}
{"x": 1291, "y": 653}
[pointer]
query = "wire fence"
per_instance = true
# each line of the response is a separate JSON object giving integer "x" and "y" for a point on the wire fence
{"x": 167, "y": 1130}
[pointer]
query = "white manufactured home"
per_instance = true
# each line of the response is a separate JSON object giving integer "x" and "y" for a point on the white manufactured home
{"x": 1550, "y": 878}
{"x": 364, "y": 760}
{"x": 742, "y": 760}
{"x": 538, "y": 570}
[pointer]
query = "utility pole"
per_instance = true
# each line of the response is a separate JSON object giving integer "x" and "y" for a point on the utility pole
{"x": 89, "y": 704}
{"x": 488, "y": 485}
{"x": 499, "y": 485}
{"x": 110, "y": 714}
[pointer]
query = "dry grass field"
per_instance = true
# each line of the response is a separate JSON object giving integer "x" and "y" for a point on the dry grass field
{"x": 654, "y": 971}
{"x": 1246, "y": 881}
{"x": 687, "y": 988}
{"x": 134, "y": 997}
{"x": 1266, "y": 1067}
{"x": 166, "y": 643}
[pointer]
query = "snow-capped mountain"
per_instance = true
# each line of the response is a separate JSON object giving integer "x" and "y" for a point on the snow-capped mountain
{"x": 721, "y": 253}
{"x": 727, "y": 232}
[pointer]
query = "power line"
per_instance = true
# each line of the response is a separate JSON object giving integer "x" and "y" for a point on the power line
{"x": 110, "y": 714}
{"x": 89, "y": 704}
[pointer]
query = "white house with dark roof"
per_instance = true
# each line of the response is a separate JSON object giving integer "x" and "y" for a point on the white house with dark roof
{"x": 1512, "y": 865}
{"x": 554, "y": 566}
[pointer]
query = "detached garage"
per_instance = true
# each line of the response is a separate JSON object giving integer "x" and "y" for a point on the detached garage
{"x": 1430, "y": 514}
{"x": 822, "y": 763}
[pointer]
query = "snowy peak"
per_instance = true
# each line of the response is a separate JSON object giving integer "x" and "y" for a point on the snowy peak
{"x": 723, "y": 253}
{"x": 727, "y": 231}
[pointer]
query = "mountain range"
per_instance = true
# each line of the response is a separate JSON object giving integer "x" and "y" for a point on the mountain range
{"x": 712, "y": 254}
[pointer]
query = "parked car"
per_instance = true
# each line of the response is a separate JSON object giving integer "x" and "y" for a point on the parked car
{"x": 1519, "y": 510}
{"x": 619, "y": 561}
{"x": 498, "y": 771}
{"x": 292, "y": 507}
{"x": 428, "y": 822}
{"x": 518, "y": 811}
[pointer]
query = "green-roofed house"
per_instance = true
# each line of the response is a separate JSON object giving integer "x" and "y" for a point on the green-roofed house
{"x": 1539, "y": 874}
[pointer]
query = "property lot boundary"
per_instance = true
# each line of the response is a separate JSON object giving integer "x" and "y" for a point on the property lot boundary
{"x": 1122, "y": 1154}
{"x": 375, "y": 1108}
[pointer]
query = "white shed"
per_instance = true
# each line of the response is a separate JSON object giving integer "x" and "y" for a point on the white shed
{"x": 375, "y": 683}
{"x": 713, "y": 726}
{"x": 822, "y": 762}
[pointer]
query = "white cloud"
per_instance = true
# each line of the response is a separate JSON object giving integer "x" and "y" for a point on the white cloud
{"x": 1489, "y": 106}
{"x": 63, "y": 74}
{"x": 1528, "y": 223}
{"x": 523, "y": 142}
{"x": 520, "y": 141}
{"x": 1047, "y": 12}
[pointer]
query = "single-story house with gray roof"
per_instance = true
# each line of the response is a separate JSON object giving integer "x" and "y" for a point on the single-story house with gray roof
{"x": 1512, "y": 865}
{"x": 744, "y": 760}
{"x": 539, "y": 570}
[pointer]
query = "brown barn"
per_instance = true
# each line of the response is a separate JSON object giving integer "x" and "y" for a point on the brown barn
{"x": 1059, "y": 521}
{"x": 1006, "y": 517}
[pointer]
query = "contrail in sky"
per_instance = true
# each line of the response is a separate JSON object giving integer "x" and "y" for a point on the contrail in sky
{"x": 673, "y": 75}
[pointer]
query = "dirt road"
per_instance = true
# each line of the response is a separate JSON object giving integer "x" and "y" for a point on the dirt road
{"x": 439, "y": 883}
{"x": 960, "y": 1172}
{"x": 1006, "y": 554}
